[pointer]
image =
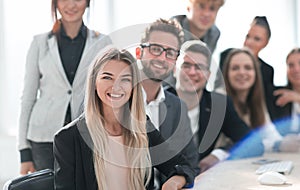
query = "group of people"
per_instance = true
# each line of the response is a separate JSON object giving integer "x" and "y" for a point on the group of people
{"x": 97, "y": 114}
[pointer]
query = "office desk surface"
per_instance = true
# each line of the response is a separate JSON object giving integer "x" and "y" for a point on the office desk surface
{"x": 240, "y": 175}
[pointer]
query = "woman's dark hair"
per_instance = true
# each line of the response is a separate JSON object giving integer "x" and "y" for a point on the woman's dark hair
{"x": 262, "y": 21}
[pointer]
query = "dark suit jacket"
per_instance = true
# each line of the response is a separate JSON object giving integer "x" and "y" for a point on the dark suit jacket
{"x": 73, "y": 154}
{"x": 217, "y": 114}
{"x": 283, "y": 116}
{"x": 267, "y": 72}
{"x": 175, "y": 127}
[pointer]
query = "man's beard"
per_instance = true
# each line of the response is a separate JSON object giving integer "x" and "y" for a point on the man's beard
{"x": 152, "y": 76}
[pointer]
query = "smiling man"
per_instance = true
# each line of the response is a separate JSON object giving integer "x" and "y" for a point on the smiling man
{"x": 158, "y": 53}
{"x": 210, "y": 113}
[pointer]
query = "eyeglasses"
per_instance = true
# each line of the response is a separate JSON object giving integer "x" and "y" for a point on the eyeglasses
{"x": 198, "y": 67}
{"x": 157, "y": 50}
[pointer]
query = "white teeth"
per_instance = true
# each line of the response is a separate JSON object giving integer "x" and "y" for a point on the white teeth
{"x": 115, "y": 95}
{"x": 158, "y": 65}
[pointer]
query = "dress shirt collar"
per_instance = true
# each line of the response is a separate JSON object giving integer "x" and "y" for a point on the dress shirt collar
{"x": 82, "y": 31}
{"x": 159, "y": 98}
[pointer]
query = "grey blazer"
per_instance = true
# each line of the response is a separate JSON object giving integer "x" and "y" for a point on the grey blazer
{"x": 47, "y": 91}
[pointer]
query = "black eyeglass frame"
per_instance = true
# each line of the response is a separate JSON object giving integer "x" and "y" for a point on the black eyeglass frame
{"x": 149, "y": 45}
{"x": 197, "y": 67}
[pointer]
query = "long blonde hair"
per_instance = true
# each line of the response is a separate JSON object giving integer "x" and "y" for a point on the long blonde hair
{"x": 134, "y": 123}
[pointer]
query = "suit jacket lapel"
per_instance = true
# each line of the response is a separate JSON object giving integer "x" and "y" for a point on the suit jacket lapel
{"x": 164, "y": 112}
{"x": 86, "y": 146}
{"x": 53, "y": 48}
{"x": 205, "y": 110}
{"x": 88, "y": 54}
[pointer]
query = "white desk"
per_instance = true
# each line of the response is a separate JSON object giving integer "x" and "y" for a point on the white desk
{"x": 240, "y": 175}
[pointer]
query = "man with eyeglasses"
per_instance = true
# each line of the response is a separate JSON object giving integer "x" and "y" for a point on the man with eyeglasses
{"x": 210, "y": 113}
{"x": 158, "y": 53}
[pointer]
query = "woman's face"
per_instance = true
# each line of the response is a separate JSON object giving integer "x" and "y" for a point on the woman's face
{"x": 71, "y": 10}
{"x": 256, "y": 39}
{"x": 114, "y": 84}
{"x": 241, "y": 72}
{"x": 293, "y": 69}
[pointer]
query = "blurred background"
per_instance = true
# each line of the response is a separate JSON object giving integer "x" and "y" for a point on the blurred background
{"x": 21, "y": 20}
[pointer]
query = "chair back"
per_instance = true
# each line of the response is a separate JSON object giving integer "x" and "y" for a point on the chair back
{"x": 39, "y": 180}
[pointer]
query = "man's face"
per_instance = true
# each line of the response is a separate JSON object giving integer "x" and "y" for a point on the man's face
{"x": 193, "y": 72}
{"x": 159, "y": 67}
{"x": 202, "y": 14}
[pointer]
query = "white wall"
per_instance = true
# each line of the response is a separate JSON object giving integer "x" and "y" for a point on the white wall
{"x": 235, "y": 17}
{"x": 2, "y": 66}
{"x": 22, "y": 19}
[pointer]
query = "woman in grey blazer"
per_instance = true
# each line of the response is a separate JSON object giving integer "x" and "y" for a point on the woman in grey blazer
{"x": 54, "y": 80}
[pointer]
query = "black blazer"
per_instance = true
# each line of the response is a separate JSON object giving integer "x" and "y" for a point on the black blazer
{"x": 283, "y": 116}
{"x": 217, "y": 114}
{"x": 74, "y": 168}
{"x": 267, "y": 72}
{"x": 175, "y": 127}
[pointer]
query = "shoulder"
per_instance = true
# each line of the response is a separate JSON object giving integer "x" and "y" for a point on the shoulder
{"x": 44, "y": 35}
{"x": 179, "y": 18}
{"x": 170, "y": 96}
{"x": 265, "y": 65}
{"x": 170, "y": 89}
{"x": 226, "y": 51}
{"x": 214, "y": 31}
{"x": 214, "y": 95}
{"x": 99, "y": 40}
{"x": 42, "y": 38}
{"x": 70, "y": 130}
{"x": 97, "y": 34}
{"x": 174, "y": 103}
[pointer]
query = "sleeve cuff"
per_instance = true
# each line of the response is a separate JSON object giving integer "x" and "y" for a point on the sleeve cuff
{"x": 220, "y": 154}
{"x": 182, "y": 171}
{"x": 26, "y": 155}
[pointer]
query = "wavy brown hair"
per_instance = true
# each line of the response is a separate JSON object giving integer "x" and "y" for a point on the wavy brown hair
{"x": 255, "y": 102}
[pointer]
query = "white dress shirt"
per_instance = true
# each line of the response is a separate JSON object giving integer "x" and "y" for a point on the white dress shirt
{"x": 152, "y": 108}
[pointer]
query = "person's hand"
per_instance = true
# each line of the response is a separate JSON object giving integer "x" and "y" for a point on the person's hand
{"x": 26, "y": 168}
{"x": 174, "y": 183}
{"x": 286, "y": 96}
{"x": 290, "y": 143}
{"x": 208, "y": 162}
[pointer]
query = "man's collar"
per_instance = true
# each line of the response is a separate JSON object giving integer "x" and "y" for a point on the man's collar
{"x": 159, "y": 98}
